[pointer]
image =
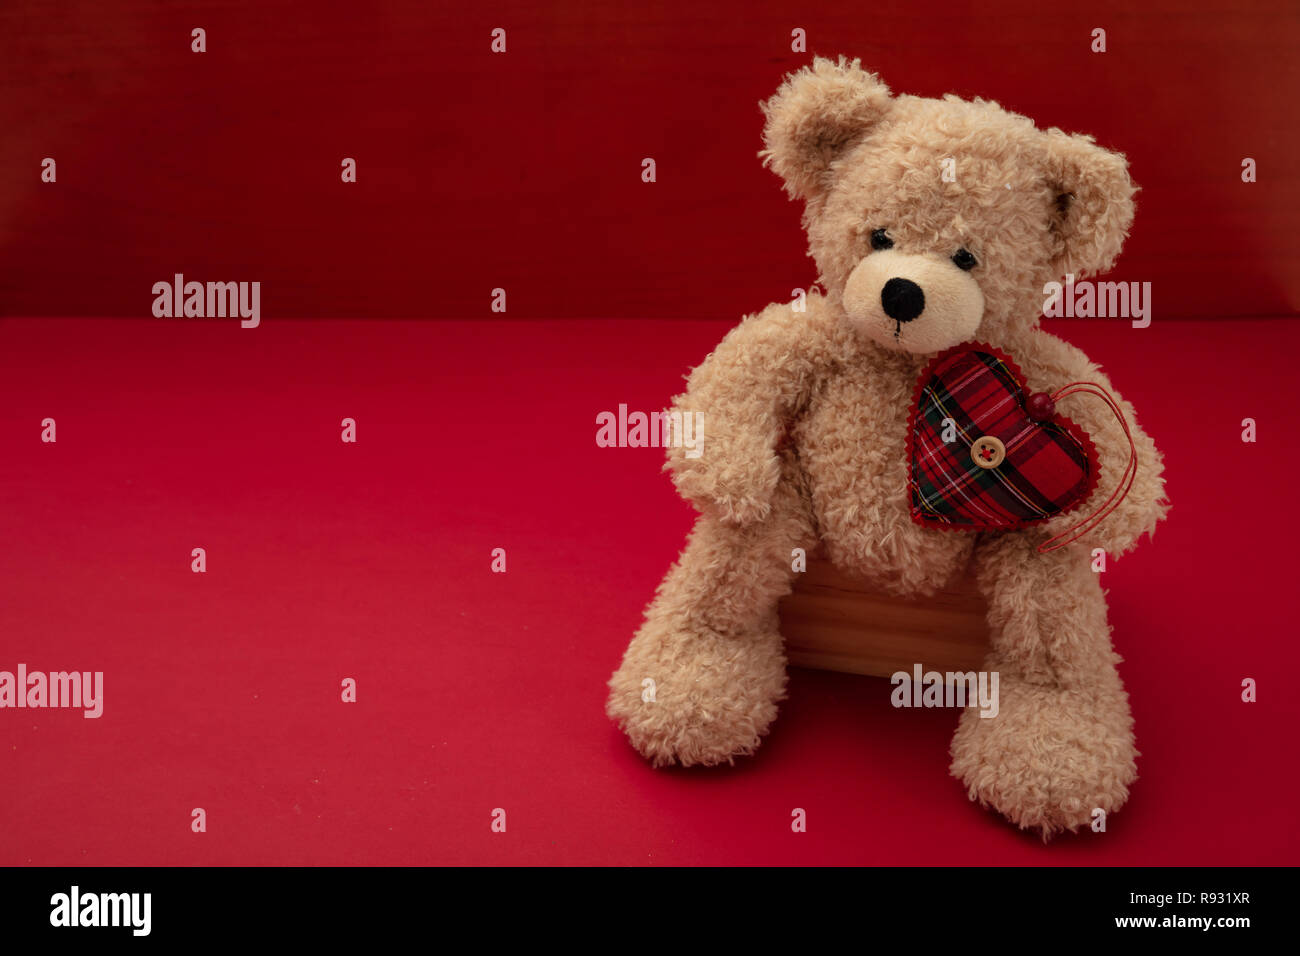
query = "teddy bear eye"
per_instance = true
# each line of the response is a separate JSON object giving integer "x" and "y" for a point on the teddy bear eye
{"x": 880, "y": 240}
{"x": 963, "y": 259}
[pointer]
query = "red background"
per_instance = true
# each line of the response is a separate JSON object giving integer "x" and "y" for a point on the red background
{"x": 479, "y": 690}
{"x": 325, "y": 560}
{"x": 523, "y": 171}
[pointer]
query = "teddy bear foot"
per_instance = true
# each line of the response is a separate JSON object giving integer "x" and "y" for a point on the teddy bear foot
{"x": 1051, "y": 758}
{"x": 689, "y": 695}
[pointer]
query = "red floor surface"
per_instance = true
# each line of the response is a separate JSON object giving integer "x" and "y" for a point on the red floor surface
{"x": 479, "y": 691}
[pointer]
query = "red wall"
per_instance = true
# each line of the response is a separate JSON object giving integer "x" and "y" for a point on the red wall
{"x": 523, "y": 170}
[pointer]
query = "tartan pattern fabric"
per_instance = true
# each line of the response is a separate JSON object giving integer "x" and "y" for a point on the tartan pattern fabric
{"x": 1050, "y": 466}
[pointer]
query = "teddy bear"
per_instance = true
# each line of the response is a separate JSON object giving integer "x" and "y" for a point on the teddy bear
{"x": 935, "y": 226}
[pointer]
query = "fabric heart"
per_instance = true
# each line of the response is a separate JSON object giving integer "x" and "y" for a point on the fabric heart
{"x": 999, "y": 468}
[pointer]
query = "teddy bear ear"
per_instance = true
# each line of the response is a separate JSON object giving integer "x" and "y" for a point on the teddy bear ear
{"x": 816, "y": 115}
{"x": 1094, "y": 203}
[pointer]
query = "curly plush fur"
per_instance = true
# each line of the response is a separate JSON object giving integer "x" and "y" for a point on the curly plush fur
{"x": 806, "y": 418}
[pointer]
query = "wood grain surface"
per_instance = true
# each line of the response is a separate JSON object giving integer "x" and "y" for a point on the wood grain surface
{"x": 835, "y": 622}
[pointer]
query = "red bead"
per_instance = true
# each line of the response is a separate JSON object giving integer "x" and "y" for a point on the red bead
{"x": 1040, "y": 406}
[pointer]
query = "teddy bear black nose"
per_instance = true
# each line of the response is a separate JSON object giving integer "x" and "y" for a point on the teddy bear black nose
{"x": 902, "y": 299}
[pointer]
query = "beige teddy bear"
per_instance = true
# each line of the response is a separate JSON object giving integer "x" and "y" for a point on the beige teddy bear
{"x": 933, "y": 223}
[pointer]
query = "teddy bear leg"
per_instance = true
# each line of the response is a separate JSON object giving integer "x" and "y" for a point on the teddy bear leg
{"x": 1061, "y": 745}
{"x": 700, "y": 681}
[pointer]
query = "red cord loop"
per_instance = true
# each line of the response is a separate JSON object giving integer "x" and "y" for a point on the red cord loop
{"x": 1077, "y": 531}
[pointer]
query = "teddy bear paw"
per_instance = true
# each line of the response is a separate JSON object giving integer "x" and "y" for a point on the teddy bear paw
{"x": 692, "y": 696}
{"x": 1051, "y": 759}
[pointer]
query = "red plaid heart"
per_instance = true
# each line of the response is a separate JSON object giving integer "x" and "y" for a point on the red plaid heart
{"x": 974, "y": 392}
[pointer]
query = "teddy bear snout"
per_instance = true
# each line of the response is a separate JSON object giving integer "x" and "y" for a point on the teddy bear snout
{"x": 919, "y": 303}
{"x": 902, "y": 299}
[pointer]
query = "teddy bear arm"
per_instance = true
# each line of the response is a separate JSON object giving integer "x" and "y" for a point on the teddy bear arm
{"x": 741, "y": 397}
{"x": 1145, "y": 504}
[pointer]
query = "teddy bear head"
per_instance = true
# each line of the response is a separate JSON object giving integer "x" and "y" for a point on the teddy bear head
{"x": 938, "y": 221}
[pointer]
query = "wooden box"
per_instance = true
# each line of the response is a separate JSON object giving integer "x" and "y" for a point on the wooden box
{"x": 834, "y": 622}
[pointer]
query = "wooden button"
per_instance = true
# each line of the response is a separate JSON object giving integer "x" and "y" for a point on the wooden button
{"x": 988, "y": 452}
